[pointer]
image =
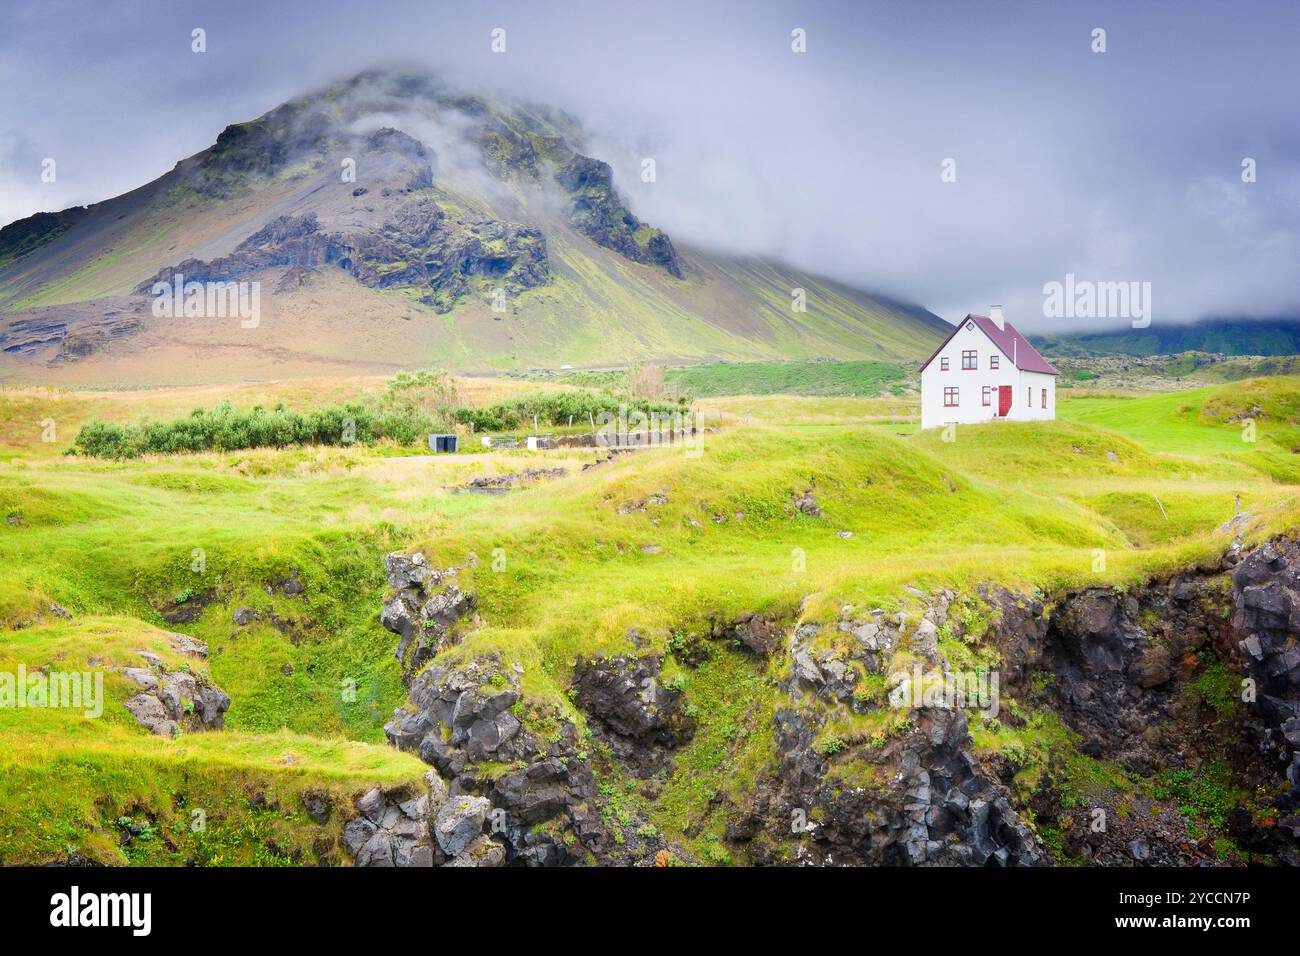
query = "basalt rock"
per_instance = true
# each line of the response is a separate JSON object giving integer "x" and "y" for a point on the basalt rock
{"x": 759, "y": 634}
{"x": 412, "y": 825}
{"x": 460, "y": 822}
{"x": 483, "y": 851}
{"x": 1266, "y": 621}
{"x": 1099, "y": 655}
{"x": 515, "y": 479}
{"x": 289, "y": 586}
{"x": 936, "y": 807}
{"x": 807, "y": 504}
{"x": 418, "y": 247}
{"x": 176, "y": 701}
{"x": 1121, "y": 669}
{"x": 460, "y": 714}
{"x": 423, "y": 612}
{"x": 462, "y": 719}
{"x": 929, "y": 802}
{"x": 641, "y": 719}
{"x": 1116, "y": 662}
{"x": 598, "y": 213}
{"x": 413, "y": 572}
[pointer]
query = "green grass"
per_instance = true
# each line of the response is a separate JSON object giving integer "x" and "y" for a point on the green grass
{"x": 115, "y": 543}
{"x": 732, "y": 701}
{"x": 1169, "y": 422}
{"x": 66, "y": 780}
{"x": 1218, "y": 424}
{"x": 793, "y": 378}
{"x": 1197, "y": 422}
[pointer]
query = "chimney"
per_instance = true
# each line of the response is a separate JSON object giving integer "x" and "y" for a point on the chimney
{"x": 995, "y": 313}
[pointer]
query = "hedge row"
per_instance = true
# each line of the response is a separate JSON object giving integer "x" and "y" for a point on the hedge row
{"x": 554, "y": 408}
{"x": 226, "y": 428}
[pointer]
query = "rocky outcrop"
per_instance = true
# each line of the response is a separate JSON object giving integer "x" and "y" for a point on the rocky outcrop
{"x": 757, "y": 633}
{"x": 260, "y": 147}
{"x": 913, "y": 794}
{"x": 871, "y": 641}
{"x": 67, "y": 333}
{"x": 1117, "y": 663}
{"x": 599, "y": 214}
{"x": 1126, "y": 671}
{"x": 507, "y": 256}
{"x": 1143, "y": 679}
{"x": 410, "y": 826}
{"x": 806, "y": 504}
{"x": 1111, "y": 680}
{"x": 423, "y": 611}
{"x": 632, "y": 709}
{"x": 1266, "y": 619}
{"x": 171, "y": 702}
{"x": 939, "y": 808}
{"x": 538, "y": 795}
{"x": 405, "y": 240}
{"x": 26, "y": 235}
{"x": 455, "y": 717}
{"x": 419, "y": 246}
{"x": 514, "y": 479}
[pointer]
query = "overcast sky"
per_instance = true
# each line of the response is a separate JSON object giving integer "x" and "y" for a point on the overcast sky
{"x": 1117, "y": 166}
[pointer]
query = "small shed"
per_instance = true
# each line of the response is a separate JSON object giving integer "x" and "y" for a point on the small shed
{"x": 444, "y": 444}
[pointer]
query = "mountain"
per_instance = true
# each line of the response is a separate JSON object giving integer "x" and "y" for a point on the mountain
{"x": 1222, "y": 336}
{"x": 391, "y": 222}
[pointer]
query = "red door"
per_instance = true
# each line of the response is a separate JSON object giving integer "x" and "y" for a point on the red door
{"x": 1004, "y": 400}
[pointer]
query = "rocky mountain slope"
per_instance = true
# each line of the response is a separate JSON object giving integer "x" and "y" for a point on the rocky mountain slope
{"x": 389, "y": 222}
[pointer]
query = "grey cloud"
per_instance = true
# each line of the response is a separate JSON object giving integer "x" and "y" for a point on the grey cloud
{"x": 1118, "y": 166}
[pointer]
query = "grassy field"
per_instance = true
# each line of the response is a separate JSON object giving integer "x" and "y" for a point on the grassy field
{"x": 791, "y": 378}
{"x": 1147, "y": 481}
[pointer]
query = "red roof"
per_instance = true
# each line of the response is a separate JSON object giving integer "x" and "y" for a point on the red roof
{"x": 1009, "y": 341}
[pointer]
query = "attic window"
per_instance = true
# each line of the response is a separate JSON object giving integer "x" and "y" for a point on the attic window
{"x": 993, "y": 361}
{"x": 970, "y": 359}
{"x": 970, "y": 326}
{"x": 943, "y": 364}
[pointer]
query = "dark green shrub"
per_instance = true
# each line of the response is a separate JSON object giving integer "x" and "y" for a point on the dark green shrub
{"x": 226, "y": 428}
{"x": 555, "y": 408}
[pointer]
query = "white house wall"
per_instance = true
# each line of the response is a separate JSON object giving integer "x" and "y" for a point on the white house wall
{"x": 1034, "y": 383}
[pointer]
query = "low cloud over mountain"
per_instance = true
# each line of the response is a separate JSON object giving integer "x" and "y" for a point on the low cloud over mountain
{"x": 1117, "y": 166}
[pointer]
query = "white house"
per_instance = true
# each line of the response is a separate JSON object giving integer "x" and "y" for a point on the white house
{"x": 986, "y": 370}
